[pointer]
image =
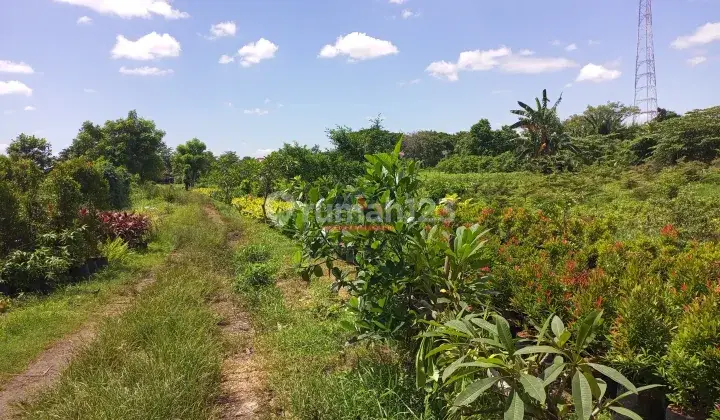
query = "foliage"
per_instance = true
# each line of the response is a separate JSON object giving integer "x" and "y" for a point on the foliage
{"x": 257, "y": 274}
{"x": 694, "y": 136}
{"x": 470, "y": 357}
{"x": 542, "y": 127}
{"x": 462, "y": 164}
{"x": 693, "y": 358}
{"x": 132, "y": 228}
{"x": 253, "y": 206}
{"x": 119, "y": 180}
{"x": 600, "y": 120}
{"x": 483, "y": 140}
{"x": 190, "y": 161}
{"x": 354, "y": 145}
{"x": 13, "y": 226}
{"x": 253, "y": 254}
{"x": 94, "y": 188}
{"x": 32, "y": 148}
{"x": 428, "y": 147}
{"x": 115, "y": 250}
{"x": 87, "y": 143}
{"x": 36, "y": 270}
{"x": 62, "y": 197}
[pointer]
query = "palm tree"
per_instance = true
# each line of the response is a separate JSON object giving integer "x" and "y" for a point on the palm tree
{"x": 542, "y": 124}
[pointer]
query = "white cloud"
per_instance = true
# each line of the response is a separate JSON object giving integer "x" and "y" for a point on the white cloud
{"x": 14, "y": 87}
{"x": 443, "y": 70}
{"x": 12, "y": 67}
{"x": 280, "y": 105}
{"x": 500, "y": 91}
{"x": 697, "y": 60}
{"x": 703, "y": 35}
{"x": 398, "y": 1}
{"x": 146, "y": 71}
{"x": 228, "y": 104}
{"x": 596, "y": 73}
{"x": 568, "y": 85}
{"x": 226, "y": 59}
{"x": 150, "y": 47}
{"x": 256, "y": 111}
{"x": 556, "y": 43}
{"x": 408, "y": 83}
{"x": 223, "y": 29}
{"x": 29, "y": 108}
{"x": 131, "y": 8}
{"x": 592, "y": 42}
{"x": 407, "y": 14}
{"x": 571, "y": 47}
{"x": 84, "y": 20}
{"x": 87, "y": 90}
{"x": 526, "y": 52}
{"x": 358, "y": 46}
{"x": 267, "y": 100}
{"x": 501, "y": 58}
{"x": 255, "y": 52}
{"x": 8, "y": 112}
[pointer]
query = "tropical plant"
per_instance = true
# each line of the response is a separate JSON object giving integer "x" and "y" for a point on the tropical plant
{"x": 478, "y": 365}
{"x": 130, "y": 227}
{"x": 542, "y": 126}
{"x": 32, "y": 148}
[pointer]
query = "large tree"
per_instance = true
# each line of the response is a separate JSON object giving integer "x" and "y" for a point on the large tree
{"x": 86, "y": 143}
{"x": 32, "y": 148}
{"x": 134, "y": 143}
{"x": 428, "y": 147}
{"x": 604, "y": 119}
{"x": 354, "y": 145}
{"x": 191, "y": 160}
{"x": 483, "y": 140}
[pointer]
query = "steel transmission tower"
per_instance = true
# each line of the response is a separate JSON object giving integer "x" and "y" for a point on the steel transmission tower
{"x": 645, "y": 81}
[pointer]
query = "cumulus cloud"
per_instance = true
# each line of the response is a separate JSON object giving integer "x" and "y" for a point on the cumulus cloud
{"x": 571, "y": 47}
{"x": 14, "y": 87}
{"x": 146, "y": 71}
{"x": 226, "y": 59}
{"x": 358, "y": 46}
{"x": 398, "y": 1}
{"x": 703, "y": 35}
{"x": 526, "y": 52}
{"x": 130, "y": 8}
{"x": 29, "y": 108}
{"x": 596, "y": 73}
{"x": 84, "y": 20}
{"x": 256, "y": 111}
{"x": 150, "y": 47}
{"x": 88, "y": 90}
{"x": 502, "y": 59}
{"x": 255, "y": 52}
{"x": 697, "y": 60}
{"x": 12, "y": 67}
{"x": 223, "y": 29}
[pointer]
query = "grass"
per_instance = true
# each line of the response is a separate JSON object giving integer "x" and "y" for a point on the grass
{"x": 311, "y": 371}
{"x": 162, "y": 358}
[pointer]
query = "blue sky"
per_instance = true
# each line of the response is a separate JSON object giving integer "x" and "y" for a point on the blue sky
{"x": 288, "y": 91}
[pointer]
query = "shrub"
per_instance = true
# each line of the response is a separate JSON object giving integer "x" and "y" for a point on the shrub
{"x": 257, "y": 274}
{"x": 61, "y": 197}
{"x": 118, "y": 180}
{"x": 93, "y": 186}
{"x": 37, "y": 270}
{"x": 13, "y": 229}
{"x": 693, "y": 359}
{"x": 115, "y": 250}
{"x": 130, "y": 227}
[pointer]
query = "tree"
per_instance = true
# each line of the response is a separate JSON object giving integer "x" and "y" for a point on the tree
{"x": 694, "y": 136}
{"x": 428, "y": 147}
{"x": 542, "y": 126}
{"x": 482, "y": 140}
{"x": 665, "y": 114}
{"x": 354, "y": 145}
{"x": 602, "y": 119}
{"x": 86, "y": 143}
{"x": 135, "y": 144}
{"x": 191, "y": 160}
{"x": 32, "y": 148}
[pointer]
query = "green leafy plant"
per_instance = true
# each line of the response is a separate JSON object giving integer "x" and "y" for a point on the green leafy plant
{"x": 552, "y": 376}
{"x": 257, "y": 274}
{"x": 115, "y": 250}
{"x": 253, "y": 254}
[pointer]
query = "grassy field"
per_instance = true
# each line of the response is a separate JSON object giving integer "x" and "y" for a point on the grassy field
{"x": 162, "y": 358}
{"x": 312, "y": 373}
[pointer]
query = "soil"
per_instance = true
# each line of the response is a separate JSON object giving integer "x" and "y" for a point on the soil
{"x": 244, "y": 392}
{"x": 46, "y": 369}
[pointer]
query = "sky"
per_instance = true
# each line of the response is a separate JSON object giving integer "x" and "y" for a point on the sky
{"x": 250, "y": 75}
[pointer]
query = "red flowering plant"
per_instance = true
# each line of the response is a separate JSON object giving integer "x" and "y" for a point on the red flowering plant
{"x": 132, "y": 228}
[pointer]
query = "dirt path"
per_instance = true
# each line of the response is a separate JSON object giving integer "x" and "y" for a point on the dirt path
{"x": 45, "y": 370}
{"x": 244, "y": 393}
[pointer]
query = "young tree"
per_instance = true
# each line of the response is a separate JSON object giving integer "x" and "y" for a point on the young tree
{"x": 32, "y": 148}
{"x": 191, "y": 160}
{"x": 541, "y": 125}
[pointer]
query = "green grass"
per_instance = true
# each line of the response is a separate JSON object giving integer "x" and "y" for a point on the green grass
{"x": 312, "y": 373}
{"x": 162, "y": 358}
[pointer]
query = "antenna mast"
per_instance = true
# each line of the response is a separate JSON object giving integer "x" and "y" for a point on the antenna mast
{"x": 645, "y": 81}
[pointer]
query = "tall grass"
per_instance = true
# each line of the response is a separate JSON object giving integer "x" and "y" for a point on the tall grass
{"x": 161, "y": 359}
{"x": 311, "y": 371}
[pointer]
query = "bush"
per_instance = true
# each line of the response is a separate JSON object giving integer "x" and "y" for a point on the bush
{"x": 459, "y": 164}
{"x": 257, "y": 274}
{"x": 93, "y": 186}
{"x": 31, "y": 271}
{"x": 130, "y": 227}
{"x": 693, "y": 359}
{"x": 693, "y": 136}
{"x": 118, "y": 180}
{"x": 61, "y": 196}
{"x": 13, "y": 227}
{"x": 115, "y": 250}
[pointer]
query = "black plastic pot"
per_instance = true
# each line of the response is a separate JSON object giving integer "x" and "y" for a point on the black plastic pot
{"x": 101, "y": 262}
{"x": 672, "y": 413}
{"x": 92, "y": 266}
{"x": 650, "y": 404}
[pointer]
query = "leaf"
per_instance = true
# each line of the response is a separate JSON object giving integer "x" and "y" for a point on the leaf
{"x": 516, "y": 411}
{"x": 440, "y": 348}
{"x": 318, "y": 271}
{"x": 586, "y": 328}
{"x": 626, "y": 412}
{"x": 551, "y": 373}
{"x": 504, "y": 334}
{"x": 582, "y": 396}
{"x": 485, "y": 325}
{"x": 473, "y": 391}
{"x": 557, "y": 326}
{"x": 614, "y": 375}
{"x": 458, "y": 325}
{"x": 543, "y": 330}
{"x": 533, "y": 386}
{"x": 452, "y": 368}
{"x": 538, "y": 349}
